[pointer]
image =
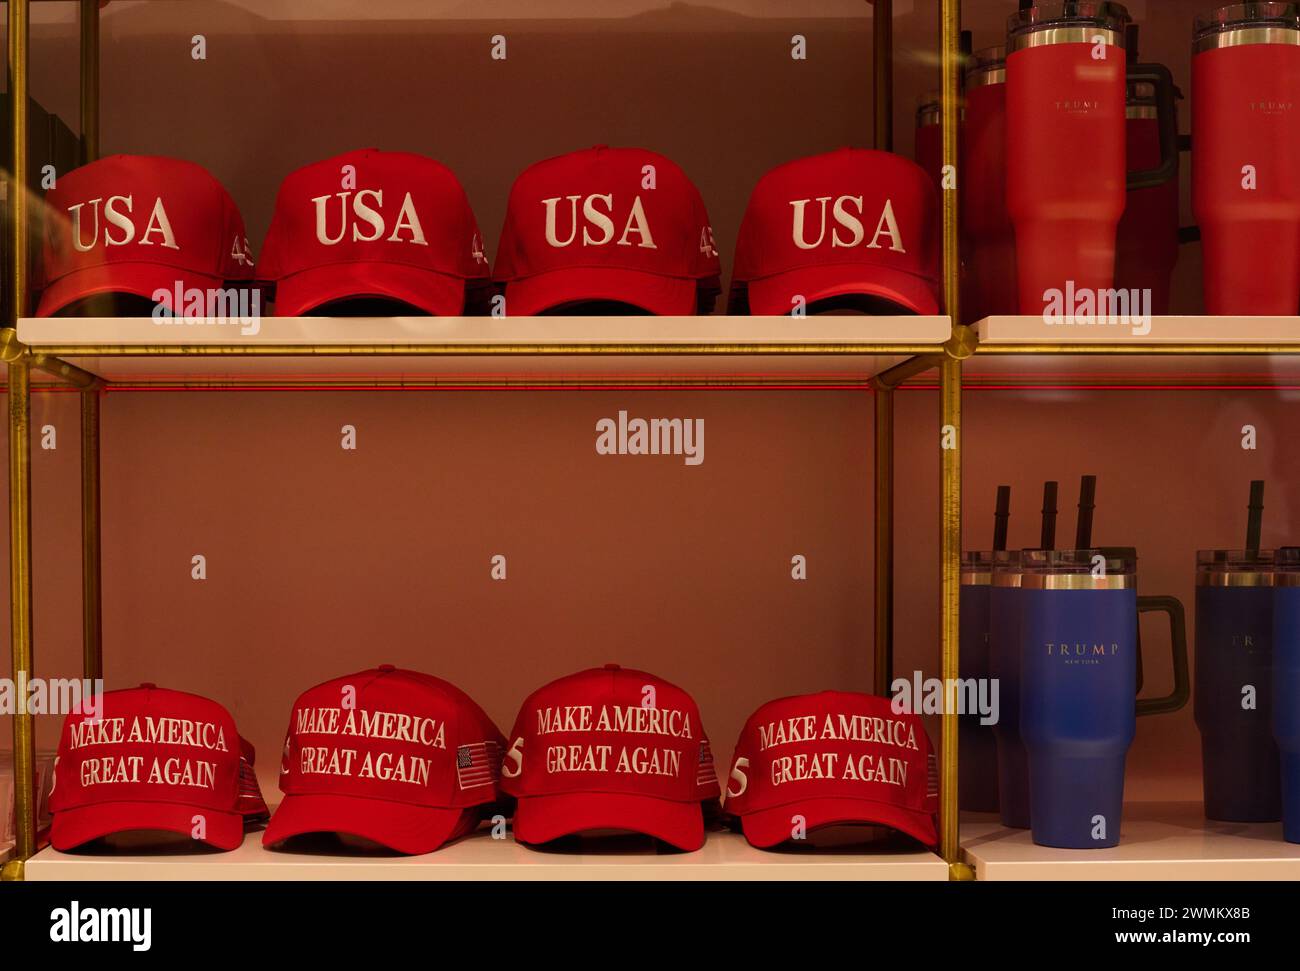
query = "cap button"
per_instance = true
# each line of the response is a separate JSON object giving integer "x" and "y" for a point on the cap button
{"x": 148, "y": 684}
{"x": 612, "y": 667}
{"x": 387, "y": 668}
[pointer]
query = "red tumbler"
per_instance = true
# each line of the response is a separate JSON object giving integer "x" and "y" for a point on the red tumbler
{"x": 929, "y": 138}
{"x": 1246, "y": 157}
{"x": 1146, "y": 248}
{"x": 988, "y": 237}
{"x": 1065, "y": 146}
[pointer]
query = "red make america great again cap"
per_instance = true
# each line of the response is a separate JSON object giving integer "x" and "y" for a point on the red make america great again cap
{"x": 852, "y": 222}
{"x": 392, "y": 225}
{"x": 610, "y": 748}
{"x": 830, "y": 758}
{"x": 154, "y": 759}
{"x": 138, "y": 224}
{"x": 607, "y": 224}
{"x": 394, "y": 756}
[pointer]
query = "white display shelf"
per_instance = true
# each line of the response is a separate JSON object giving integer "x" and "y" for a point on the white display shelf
{"x": 1029, "y": 329}
{"x": 505, "y": 350}
{"x": 1160, "y": 841}
{"x": 725, "y": 856}
{"x": 1213, "y": 352}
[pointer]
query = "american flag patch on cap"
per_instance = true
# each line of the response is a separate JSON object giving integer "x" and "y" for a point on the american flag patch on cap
{"x": 250, "y": 802}
{"x": 478, "y": 764}
{"x": 705, "y": 775}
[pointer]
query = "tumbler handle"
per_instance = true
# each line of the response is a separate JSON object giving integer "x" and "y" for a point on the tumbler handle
{"x": 1177, "y": 698}
{"x": 1167, "y": 117}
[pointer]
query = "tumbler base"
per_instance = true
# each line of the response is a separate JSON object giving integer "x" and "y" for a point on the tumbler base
{"x": 1013, "y": 781}
{"x": 1077, "y": 802}
{"x": 1242, "y": 779}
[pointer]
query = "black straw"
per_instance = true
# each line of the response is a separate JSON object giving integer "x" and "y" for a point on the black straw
{"x": 1087, "y": 502}
{"x": 1131, "y": 43}
{"x": 1000, "y": 516}
{"x": 1048, "y": 539}
{"x": 1255, "y": 515}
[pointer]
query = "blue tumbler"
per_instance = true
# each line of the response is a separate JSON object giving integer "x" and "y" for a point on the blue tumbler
{"x": 1079, "y": 649}
{"x": 1286, "y": 684}
{"x": 977, "y": 783}
{"x": 1004, "y": 666}
{"x": 1233, "y": 695}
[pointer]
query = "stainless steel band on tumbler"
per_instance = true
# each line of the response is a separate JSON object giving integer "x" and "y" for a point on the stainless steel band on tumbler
{"x": 989, "y": 66}
{"x": 1077, "y": 581}
{"x": 1243, "y": 24}
{"x": 1212, "y": 579}
{"x": 1043, "y": 36}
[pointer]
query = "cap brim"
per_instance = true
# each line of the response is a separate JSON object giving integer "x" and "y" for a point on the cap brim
{"x": 540, "y": 819}
{"x": 435, "y": 293}
{"x": 399, "y": 826}
{"x": 137, "y": 279}
{"x": 768, "y": 827}
{"x": 660, "y": 295}
{"x": 73, "y": 827}
{"x": 773, "y": 296}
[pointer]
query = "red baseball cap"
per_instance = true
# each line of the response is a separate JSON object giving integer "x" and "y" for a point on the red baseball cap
{"x": 153, "y": 759}
{"x": 832, "y": 758}
{"x": 853, "y": 222}
{"x": 610, "y": 748}
{"x": 137, "y": 224}
{"x": 368, "y": 223}
{"x": 607, "y": 224}
{"x": 394, "y": 756}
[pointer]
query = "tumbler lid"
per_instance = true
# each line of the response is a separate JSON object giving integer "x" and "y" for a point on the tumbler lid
{"x": 987, "y": 66}
{"x": 976, "y": 568}
{"x": 1287, "y": 563}
{"x": 927, "y": 109}
{"x": 1005, "y": 567}
{"x": 1068, "y": 22}
{"x": 1239, "y": 24}
{"x": 1235, "y": 568}
{"x": 1101, "y": 568}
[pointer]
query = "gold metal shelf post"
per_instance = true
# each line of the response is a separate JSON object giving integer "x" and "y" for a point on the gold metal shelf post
{"x": 959, "y": 347}
{"x": 20, "y": 475}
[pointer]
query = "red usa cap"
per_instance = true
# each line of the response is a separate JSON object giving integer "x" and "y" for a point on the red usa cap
{"x": 830, "y": 758}
{"x": 616, "y": 224}
{"x": 394, "y": 756}
{"x": 852, "y": 222}
{"x": 137, "y": 224}
{"x": 373, "y": 224}
{"x": 610, "y": 748}
{"x": 153, "y": 759}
